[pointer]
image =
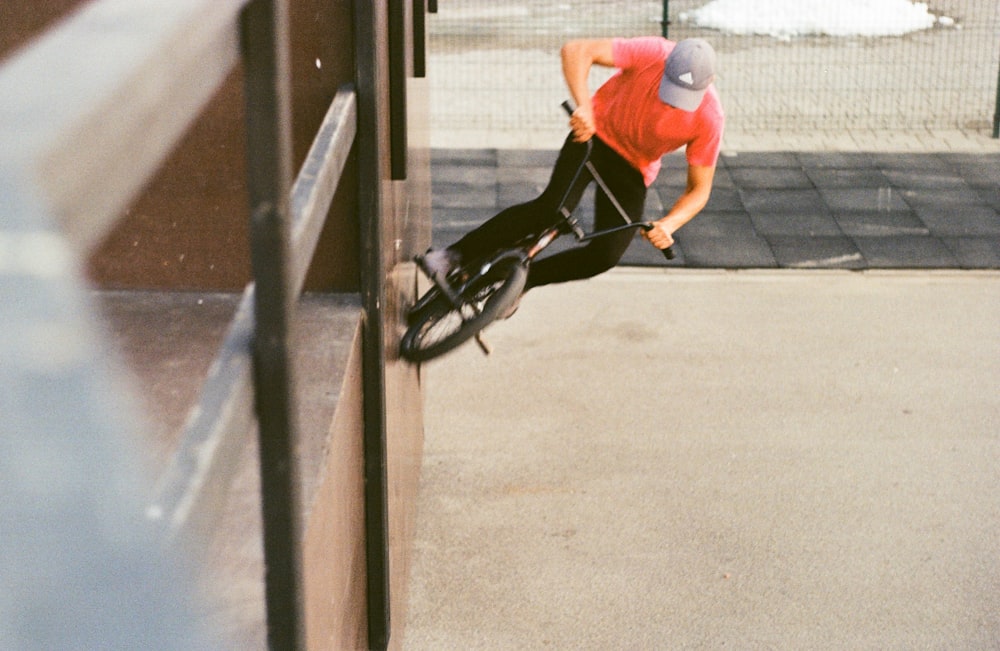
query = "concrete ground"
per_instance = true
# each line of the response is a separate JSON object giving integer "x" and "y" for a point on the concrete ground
{"x": 703, "y": 459}
{"x": 788, "y": 438}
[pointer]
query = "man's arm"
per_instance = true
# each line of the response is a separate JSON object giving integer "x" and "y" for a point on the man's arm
{"x": 578, "y": 56}
{"x": 689, "y": 204}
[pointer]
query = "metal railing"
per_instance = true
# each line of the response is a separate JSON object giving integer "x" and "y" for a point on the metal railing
{"x": 87, "y": 115}
{"x": 504, "y": 73}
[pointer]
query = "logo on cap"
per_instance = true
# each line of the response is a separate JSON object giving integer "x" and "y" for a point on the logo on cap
{"x": 687, "y": 74}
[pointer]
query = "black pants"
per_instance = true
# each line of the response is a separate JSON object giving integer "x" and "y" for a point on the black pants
{"x": 513, "y": 224}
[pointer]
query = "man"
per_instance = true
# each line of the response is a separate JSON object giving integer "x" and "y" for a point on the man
{"x": 660, "y": 99}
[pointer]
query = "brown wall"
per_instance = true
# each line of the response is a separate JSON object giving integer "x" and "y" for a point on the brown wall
{"x": 188, "y": 229}
{"x": 23, "y": 20}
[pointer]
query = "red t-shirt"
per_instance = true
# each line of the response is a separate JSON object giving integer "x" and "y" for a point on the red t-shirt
{"x": 632, "y": 120}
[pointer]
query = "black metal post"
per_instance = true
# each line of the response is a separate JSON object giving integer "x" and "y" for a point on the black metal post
{"x": 665, "y": 23}
{"x": 370, "y": 84}
{"x": 996, "y": 111}
{"x": 419, "y": 38}
{"x": 264, "y": 33}
{"x": 397, "y": 89}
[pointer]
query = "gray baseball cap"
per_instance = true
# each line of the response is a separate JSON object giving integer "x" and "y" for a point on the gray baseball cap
{"x": 687, "y": 74}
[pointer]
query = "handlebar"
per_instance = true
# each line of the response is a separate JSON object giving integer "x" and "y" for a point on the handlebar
{"x": 668, "y": 252}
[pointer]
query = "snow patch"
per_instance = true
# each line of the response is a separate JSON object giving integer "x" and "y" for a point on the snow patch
{"x": 785, "y": 19}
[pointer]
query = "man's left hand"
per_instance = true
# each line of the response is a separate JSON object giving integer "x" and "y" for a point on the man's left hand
{"x": 659, "y": 236}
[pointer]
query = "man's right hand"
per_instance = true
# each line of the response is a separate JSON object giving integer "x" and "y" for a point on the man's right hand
{"x": 582, "y": 124}
{"x": 578, "y": 56}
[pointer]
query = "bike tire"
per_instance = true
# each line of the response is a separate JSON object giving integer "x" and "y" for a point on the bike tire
{"x": 441, "y": 327}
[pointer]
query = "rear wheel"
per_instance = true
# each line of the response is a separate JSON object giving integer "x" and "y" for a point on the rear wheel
{"x": 441, "y": 327}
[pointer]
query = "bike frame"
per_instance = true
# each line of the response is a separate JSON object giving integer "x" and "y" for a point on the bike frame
{"x": 532, "y": 248}
{"x": 460, "y": 281}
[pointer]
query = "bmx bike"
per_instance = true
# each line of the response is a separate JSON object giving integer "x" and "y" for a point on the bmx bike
{"x": 476, "y": 293}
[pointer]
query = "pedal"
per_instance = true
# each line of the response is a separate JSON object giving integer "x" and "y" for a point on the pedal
{"x": 485, "y": 347}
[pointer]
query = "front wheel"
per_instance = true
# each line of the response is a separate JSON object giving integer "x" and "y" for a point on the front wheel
{"x": 441, "y": 327}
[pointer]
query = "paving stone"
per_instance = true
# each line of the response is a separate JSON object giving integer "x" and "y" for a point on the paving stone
{"x": 671, "y": 185}
{"x": 979, "y": 171}
{"x": 863, "y": 199}
{"x": 836, "y": 160}
{"x": 724, "y": 199}
{"x": 469, "y": 175}
{"x": 954, "y": 199}
{"x": 720, "y": 224}
{"x": 771, "y": 178}
{"x": 723, "y": 179}
{"x": 959, "y": 221}
{"x": 464, "y": 157}
{"x": 835, "y": 177}
{"x": 975, "y": 252}
{"x": 761, "y": 159}
{"x": 913, "y": 161}
{"x": 726, "y": 252}
{"x": 926, "y": 180}
{"x": 880, "y": 223}
{"x": 905, "y": 252}
{"x": 525, "y": 174}
{"x": 770, "y": 208}
{"x": 802, "y": 224}
{"x": 836, "y": 252}
{"x": 509, "y": 194}
{"x": 807, "y": 201}
{"x": 990, "y": 196}
{"x": 978, "y": 176}
{"x": 653, "y": 211}
{"x": 463, "y": 195}
{"x": 669, "y": 189}
{"x": 655, "y": 203}
{"x": 972, "y": 158}
{"x": 526, "y": 158}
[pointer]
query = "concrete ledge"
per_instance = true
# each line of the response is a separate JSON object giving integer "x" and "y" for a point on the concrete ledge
{"x": 167, "y": 341}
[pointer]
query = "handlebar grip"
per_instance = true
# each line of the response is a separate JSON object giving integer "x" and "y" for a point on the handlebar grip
{"x": 568, "y": 107}
{"x": 668, "y": 252}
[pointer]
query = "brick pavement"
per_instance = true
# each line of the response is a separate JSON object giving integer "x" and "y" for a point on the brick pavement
{"x": 776, "y": 209}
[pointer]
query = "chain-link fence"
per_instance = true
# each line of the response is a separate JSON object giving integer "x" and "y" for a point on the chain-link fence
{"x": 495, "y": 65}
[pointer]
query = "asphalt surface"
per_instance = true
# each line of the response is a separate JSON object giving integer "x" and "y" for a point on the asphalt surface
{"x": 706, "y": 459}
{"x": 787, "y": 438}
